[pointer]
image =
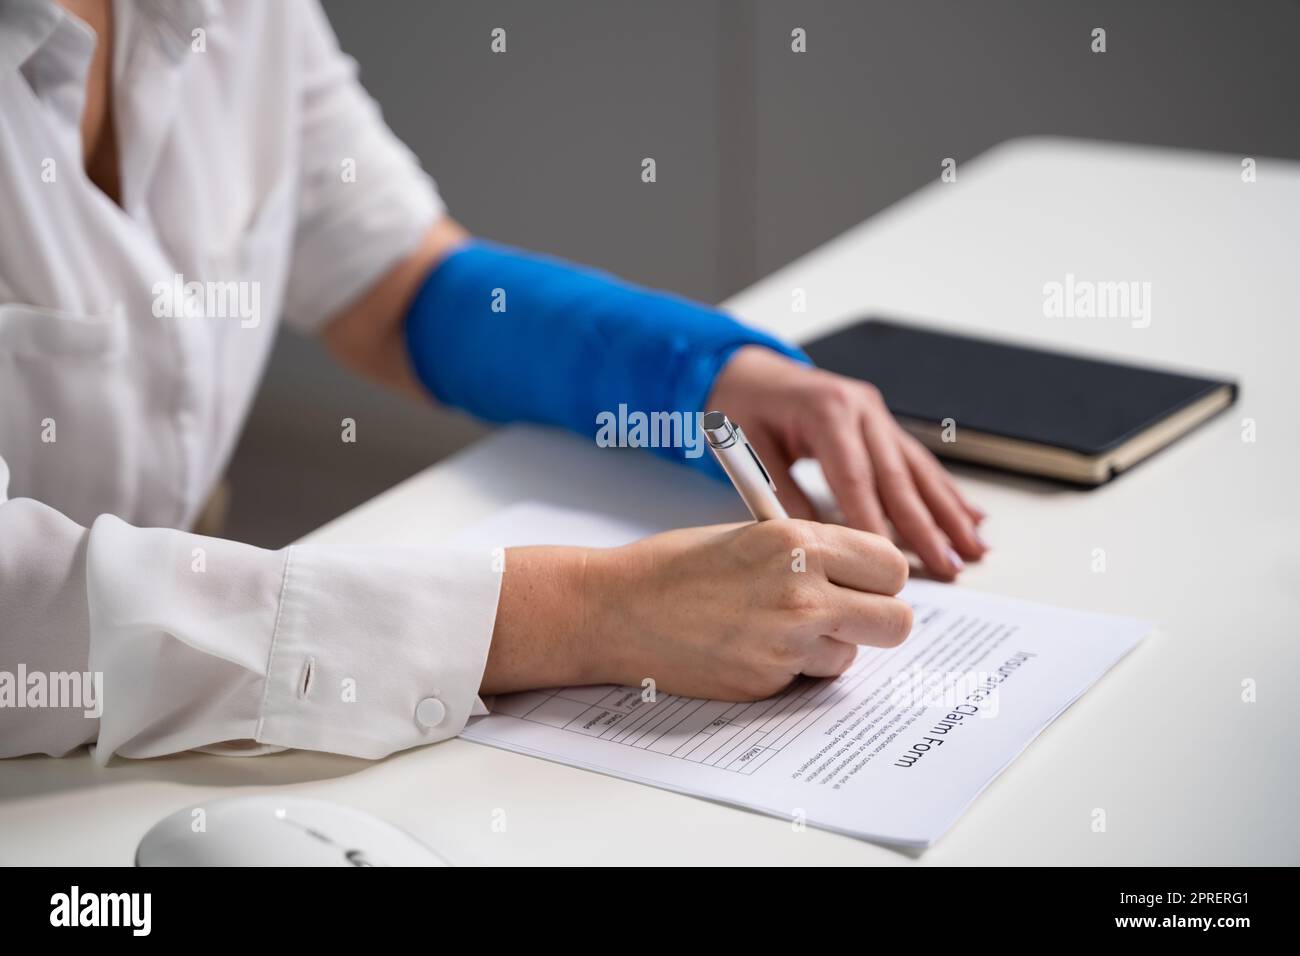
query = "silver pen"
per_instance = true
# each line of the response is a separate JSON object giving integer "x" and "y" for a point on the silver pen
{"x": 743, "y": 466}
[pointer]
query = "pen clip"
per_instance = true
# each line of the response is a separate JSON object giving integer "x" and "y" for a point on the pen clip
{"x": 758, "y": 461}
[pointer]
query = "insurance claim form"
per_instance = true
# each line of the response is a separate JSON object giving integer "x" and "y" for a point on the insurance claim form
{"x": 893, "y": 750}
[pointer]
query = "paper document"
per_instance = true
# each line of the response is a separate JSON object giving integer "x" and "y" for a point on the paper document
{"x": 893, "y": 750}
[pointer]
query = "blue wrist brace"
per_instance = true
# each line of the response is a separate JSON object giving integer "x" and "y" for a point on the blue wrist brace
{"x": 512, "y": 336}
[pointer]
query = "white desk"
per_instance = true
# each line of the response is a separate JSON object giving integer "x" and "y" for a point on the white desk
{"x": 1201, "y": 539}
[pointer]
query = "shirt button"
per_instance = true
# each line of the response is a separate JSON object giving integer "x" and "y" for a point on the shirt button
{"x": 430, "y": 712}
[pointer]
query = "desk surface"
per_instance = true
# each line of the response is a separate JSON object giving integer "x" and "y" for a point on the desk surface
{"x": 1200, "y": 539}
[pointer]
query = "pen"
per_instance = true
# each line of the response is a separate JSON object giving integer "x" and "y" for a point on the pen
{"x": 743, "y": 466}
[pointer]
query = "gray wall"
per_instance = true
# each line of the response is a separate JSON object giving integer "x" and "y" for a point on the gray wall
{"x": 888, "y": 89}
{"x": 762, "y": 153}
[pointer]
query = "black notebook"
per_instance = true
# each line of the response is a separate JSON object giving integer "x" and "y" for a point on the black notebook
{"x": 1023, "y": 409}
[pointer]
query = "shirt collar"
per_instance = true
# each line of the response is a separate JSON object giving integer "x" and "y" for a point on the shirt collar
{"x": 27, "y": 25}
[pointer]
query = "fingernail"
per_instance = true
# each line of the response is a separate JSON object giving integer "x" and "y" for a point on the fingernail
{"x": 980, "y": 513}
{"x": 983, "y": 542}
{"x": 956, "y": 562}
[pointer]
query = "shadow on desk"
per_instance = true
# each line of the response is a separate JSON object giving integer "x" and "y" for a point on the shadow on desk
{"x": 40, "y": 775}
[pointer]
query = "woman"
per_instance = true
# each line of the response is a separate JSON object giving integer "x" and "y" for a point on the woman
{"x": 176, "y": 176}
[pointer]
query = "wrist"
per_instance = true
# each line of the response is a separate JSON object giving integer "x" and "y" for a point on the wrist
{"x": 751, "y": 372}
{"x": 602, "y": 634}
{"x": 545, "y": 628}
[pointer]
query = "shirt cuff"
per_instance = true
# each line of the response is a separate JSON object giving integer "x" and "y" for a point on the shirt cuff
{"x": 377, "y": 650}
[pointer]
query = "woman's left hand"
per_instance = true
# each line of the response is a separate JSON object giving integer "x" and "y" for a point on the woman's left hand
{"x": 879, "y": 473}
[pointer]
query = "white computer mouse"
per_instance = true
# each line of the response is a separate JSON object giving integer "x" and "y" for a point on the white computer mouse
{"x": 279, "y": 831}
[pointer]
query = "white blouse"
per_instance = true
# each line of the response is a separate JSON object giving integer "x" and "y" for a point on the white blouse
{"x": 258, "y": 180}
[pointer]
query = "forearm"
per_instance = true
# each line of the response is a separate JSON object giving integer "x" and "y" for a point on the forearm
{"x": 367, "y": 337}
{"x": 150, "y": 641}
{"x": 513, "y": 336}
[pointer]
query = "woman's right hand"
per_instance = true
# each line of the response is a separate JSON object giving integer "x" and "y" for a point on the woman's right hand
{"x": 731, "y": 612}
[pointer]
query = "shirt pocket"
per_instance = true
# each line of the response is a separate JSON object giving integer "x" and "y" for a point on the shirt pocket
{"x": 69, "y": 417}
{"x": 33, "y": 332}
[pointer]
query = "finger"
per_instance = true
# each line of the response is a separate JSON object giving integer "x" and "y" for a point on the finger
{"x": 902, "y": 501}
{"x": 860, "y": 560}
{"x": 828, "y": 657}
{"x": 870, "y": 619}
{"x": 977, "y": 514}
{"x": 778, "y": 463}
{"x": 848, "y": 471}
{"x": 929, "y": 477}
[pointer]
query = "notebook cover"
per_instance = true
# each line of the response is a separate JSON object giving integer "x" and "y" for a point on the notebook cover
{"x": 1047, "y": 398}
